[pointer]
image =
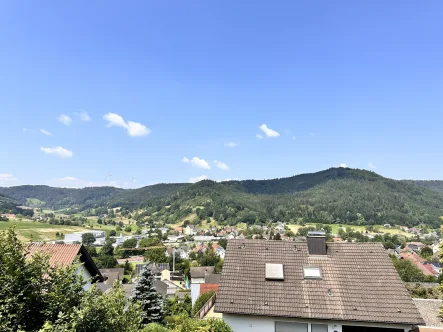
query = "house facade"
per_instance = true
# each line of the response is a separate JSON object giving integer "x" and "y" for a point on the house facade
{"x": 313, "y": 286}
{"x": 63, "y": 255}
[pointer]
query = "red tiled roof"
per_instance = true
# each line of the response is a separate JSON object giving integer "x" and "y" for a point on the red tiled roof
{"x": 60, "y": 254}
{"x": 417, "y": 261}
{"x": 204, "y": 288}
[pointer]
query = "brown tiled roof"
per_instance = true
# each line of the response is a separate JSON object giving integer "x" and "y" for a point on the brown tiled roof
{"x": 59, "y": 254}
{"x": 430, "y": 311}
{"x": 359, "y": 283}
{"x": 63, "y": 255}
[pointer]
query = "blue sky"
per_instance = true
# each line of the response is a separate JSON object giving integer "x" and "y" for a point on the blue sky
{"x": 344, "y": 82}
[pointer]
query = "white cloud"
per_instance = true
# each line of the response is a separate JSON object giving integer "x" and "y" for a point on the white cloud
{"x": 58, "y": 151}
{"x": 259, "y": 136}
{"x": 221, "y": 165}
{"x": 43, "y": 131}
{"x": 197, "y": 162}
{"x": 7, "y": 177}
{"x": 371, "y": 165}
{"x": 294, "y": 138}
{"x": 343, "y": 165}
{"x": 25, "y": 130}
{"x": 69, "y": 178}
{"x": 83, "y": 115}
{"x": 233, "y": 179}
{"x": 269, "y": 132}
{"x": 231, "y": 144}
{"x": 66, "y": 120}
{"x": 134, "y": 128}
{"x": 198, "y": 178}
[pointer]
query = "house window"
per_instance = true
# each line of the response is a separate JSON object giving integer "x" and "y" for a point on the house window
{"x": 319, "y": 328}
{"x": 290, "y": 327}
{"x": 311, "y": 272}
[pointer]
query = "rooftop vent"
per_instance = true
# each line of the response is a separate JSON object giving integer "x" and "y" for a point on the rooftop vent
{"x": 316, "y": 243}
{"x": 274, "y": 271}
{"x": 310, "y": 272}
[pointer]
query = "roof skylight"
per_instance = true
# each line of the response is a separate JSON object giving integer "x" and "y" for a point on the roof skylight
{"x": 274, "y": 271}
{"x": 312, "y": 272}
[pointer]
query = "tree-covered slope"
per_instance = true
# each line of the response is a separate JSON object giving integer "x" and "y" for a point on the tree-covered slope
{"x": 332, "y": 196}
{"x": 436, "y": 185}
{"x": 59, "y": 198}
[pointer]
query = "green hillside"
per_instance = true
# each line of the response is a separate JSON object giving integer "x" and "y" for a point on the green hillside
{"x": 436, "y": 185}
{"x": 58, "y": 198}
{"x": 333, "y": 196}
{"x": 336, "y": 195}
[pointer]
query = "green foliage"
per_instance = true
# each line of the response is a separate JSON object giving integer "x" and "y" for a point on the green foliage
{"x": 102, "y": 312}
{"x": 181, "y": 323}
{"x": 223, "y": 243}
{"x": 408, "y": 272}
{"x": 129, "y": 243}
{"x": 31, "y": 291}
{"x": 426, "y": 253}
{"x": 88, "y": 239}
{"x": 175, "y": 307}
{"x": 145, "y": 294}
{"x": 150, "y": 242}
{"x": 157, "y": 255}
{"x": 155, "y": 327}
{"x": 201, "y": 300}
{"x": 128, "y": 229}
{"x": 419, "y": 291}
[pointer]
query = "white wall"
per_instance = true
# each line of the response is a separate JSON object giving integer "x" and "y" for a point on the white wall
{"x": 244, "y": 323}
{"x": 82, "y": 271}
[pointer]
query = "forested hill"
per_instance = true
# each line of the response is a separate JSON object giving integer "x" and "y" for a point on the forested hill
{"x": 58, "y": 198}
{"x": 336, "y": 195}
{"x": 436, "y": 185}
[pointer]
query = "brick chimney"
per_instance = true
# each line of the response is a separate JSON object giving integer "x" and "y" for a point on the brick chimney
{"x": 316, "y": 243}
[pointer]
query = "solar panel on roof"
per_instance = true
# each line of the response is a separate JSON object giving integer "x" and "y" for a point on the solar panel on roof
{"x": 274, "y": 271}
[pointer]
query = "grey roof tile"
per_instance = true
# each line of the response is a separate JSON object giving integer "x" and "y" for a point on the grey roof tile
{"x": 359, "y": 283}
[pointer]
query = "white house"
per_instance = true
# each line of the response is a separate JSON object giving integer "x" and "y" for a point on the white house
{"x": 279, "y": 286}
{"x": 63, "y": 255}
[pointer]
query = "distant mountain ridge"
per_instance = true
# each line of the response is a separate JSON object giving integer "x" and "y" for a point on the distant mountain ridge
{"x": 335, "y": 195}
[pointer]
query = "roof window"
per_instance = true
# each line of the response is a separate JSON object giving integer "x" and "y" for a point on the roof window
{"x": 274, "y": 271}
{"x": 312, "y": 272}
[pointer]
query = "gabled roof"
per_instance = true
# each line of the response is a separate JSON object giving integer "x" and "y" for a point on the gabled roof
{"x": 430, "y": 311}
{"x": 63, "y": 255}
{"x": 358, "y": 283}
{"x": 201, "y": 271}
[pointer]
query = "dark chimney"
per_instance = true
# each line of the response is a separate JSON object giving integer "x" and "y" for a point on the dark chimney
{"x": 316, "y": 243}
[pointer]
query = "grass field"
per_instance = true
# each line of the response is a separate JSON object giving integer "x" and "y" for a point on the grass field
{"x": 335, "y": 228}
{"x": 35, "y": 231}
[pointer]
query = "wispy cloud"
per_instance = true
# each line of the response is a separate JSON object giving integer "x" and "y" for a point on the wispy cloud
{"x": 7, "y": 177}
{"x": 371, "y": 165}
{"x": 343, "y": 165}
{"x": 197, "y": 162}
{"x": 312, "y": 134}
{"x": 259, "y": 136}
{"x": 268, "y": 131}
{"x": 83, "y": 115}
{"x": 25, "y": 130}
{"x": 294, "y": 138}
{"x": 47, "y": 133}
{"x": 231, "y": 144}
{"x": 58, "y": 151}
{"x": 221, "y": 165}
{"x": 66, "y": 120}
{"x": 69, "y": 178}
{"x": 198, "y": 178}
{"x": 133, "y": 128}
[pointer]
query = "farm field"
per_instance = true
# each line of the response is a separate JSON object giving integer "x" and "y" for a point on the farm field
{"x": 35, "y": 231}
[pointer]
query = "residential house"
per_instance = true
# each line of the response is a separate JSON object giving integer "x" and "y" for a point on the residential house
{"x": 436, "y": 248}
{"x": 166, "y": 288}
{"x": 430, "y": 311}
{"x": 204, "y": 238}
{"x": 110, "y": 276}
{"x": 198, "y": 274}
{"x": 156, "y": 268}
{"x": 415, "y": 246}
{"x": 269, "y": 286}
{"x": 190, "y": 230}
{"x": 387, "y": 225}
{"x": 220, "y": 252}
{"x": 63, "y": 255}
